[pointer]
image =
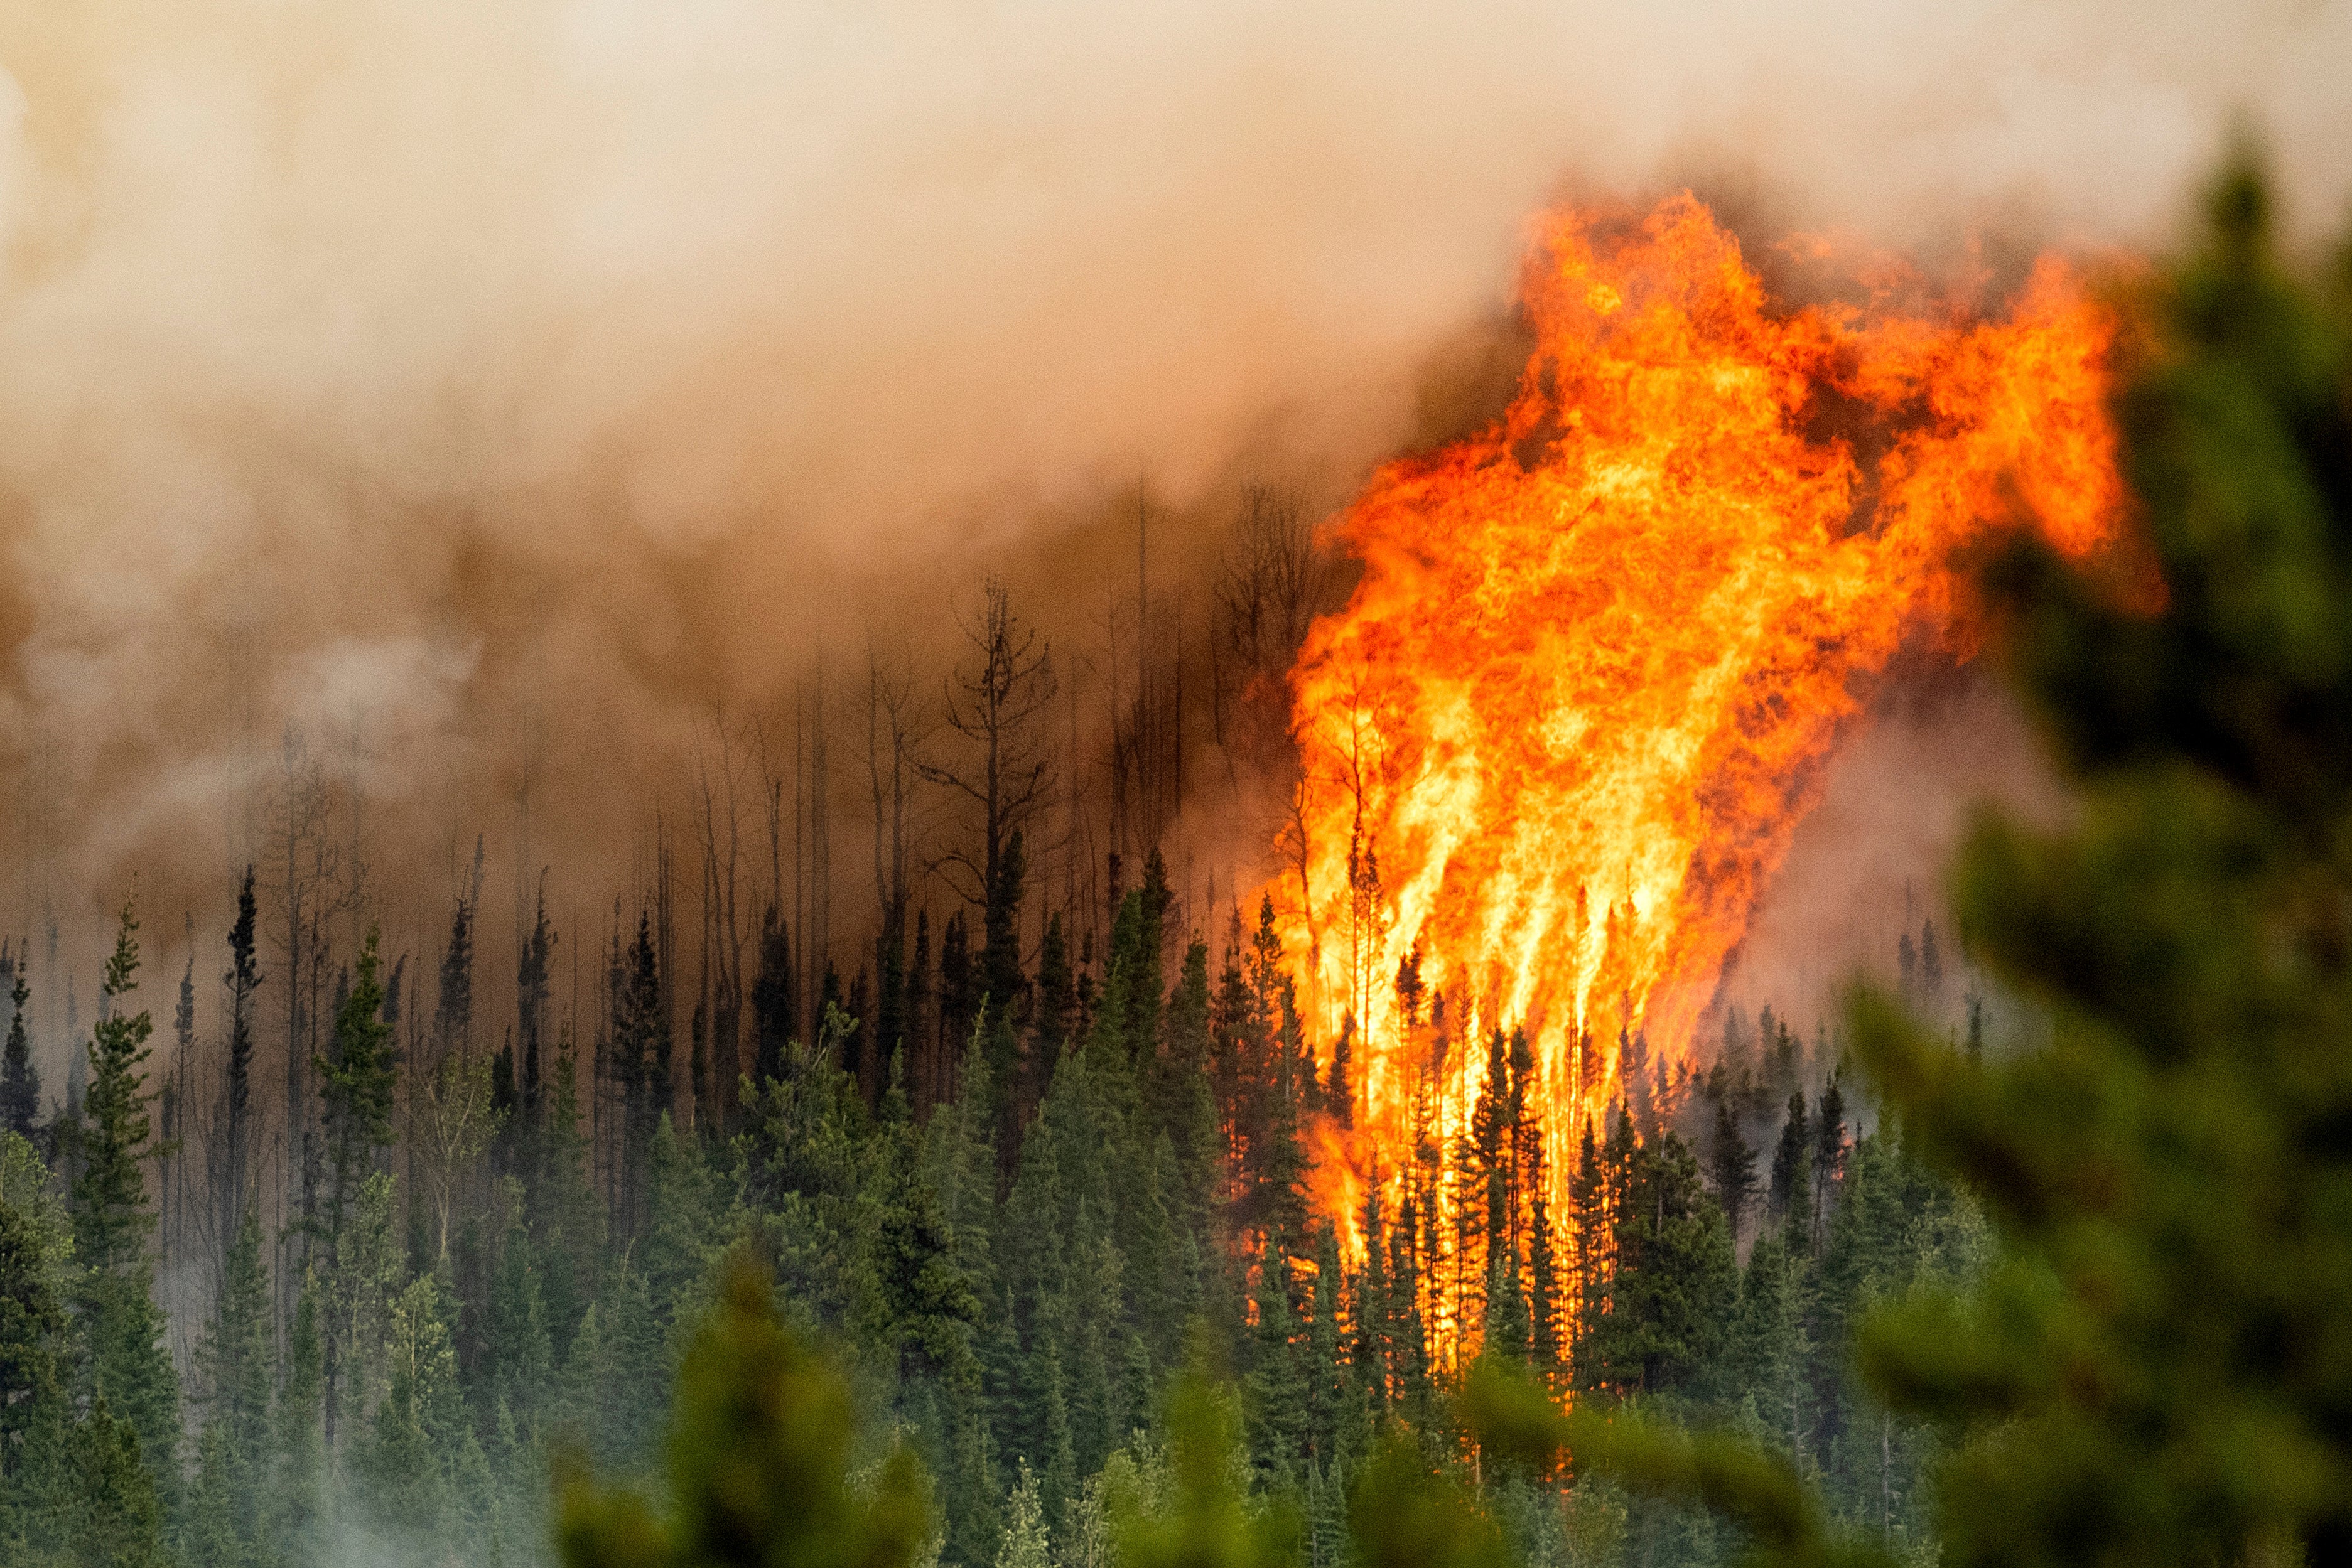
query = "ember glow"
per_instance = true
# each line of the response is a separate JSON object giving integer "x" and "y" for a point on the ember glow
{"x": 1558, "y": 740}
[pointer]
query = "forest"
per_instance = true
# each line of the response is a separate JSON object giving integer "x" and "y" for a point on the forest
{"x": 1011, "y": 1244}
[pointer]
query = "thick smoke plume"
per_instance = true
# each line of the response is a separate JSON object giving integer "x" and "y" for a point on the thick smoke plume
{"x": 494, "y": 389}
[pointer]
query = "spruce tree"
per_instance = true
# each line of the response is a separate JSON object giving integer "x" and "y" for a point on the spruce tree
{"x": 234, "y": 1365}
{"x": 403, "y": 1469}
{"x": 1274, "y": 1390}
{"x": 1792, "y": 1172}
{"x": 774, "y": 1007}
{"x": 233, "y": 1137}
{"x": 123, "y": 1327}
{"x": 1658, "y": 1318}
{"x": 1829, "y": 1153}
{"x": 1731, "y": 1164}
{"x": 20, "y": 1083}
{"x": 518, "y": 1353}
{"x": 356, "y": 1091}
{"x": 32, "y": 1340}
{"x": 298, "y": 1423}
{"x": 116, "y": 1518}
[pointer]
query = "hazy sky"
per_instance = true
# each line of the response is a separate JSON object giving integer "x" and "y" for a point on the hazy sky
{"x": 436, "y": 363}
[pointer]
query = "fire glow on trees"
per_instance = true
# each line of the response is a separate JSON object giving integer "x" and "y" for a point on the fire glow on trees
{"x": 1560, "y": 737}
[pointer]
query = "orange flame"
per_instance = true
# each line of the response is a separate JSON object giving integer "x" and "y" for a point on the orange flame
{"x": 1558, "y": 739}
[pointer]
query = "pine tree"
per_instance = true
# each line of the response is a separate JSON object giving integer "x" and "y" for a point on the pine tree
{"x": 20, "y": 1084}
{"x": 402, "y": 1467}
{"x": 210, "y": 1537}
{"x": 121, "y": 1325}
{"x": 356, "y": 1091}
{"x": 1545, "y": 1338}
{"x": 568, "y": 1227}
{"x": 1025, "y": 1544}
{"x": 774, "y": 1007}
{"x": 1829, "y": 1153}
{"x": 1658, "y": 1318}
{"x": 298, "y": 1423}
{"x": 532, "y": 973}
{"x": 1791, "y": 1169}
{"x": 116, "y": 1518}
{"x": 1731, "y": 1164}
{"x": 1056, "y": 1001}
{"x": 1274, "y": 1390}
{"x": 235, "y": 1366}
{"x": 32, "y": 1339}
{"x": 928, "y": 1305}
{"x": 519, "y": 1352}
{"x": 233, "y": 1138}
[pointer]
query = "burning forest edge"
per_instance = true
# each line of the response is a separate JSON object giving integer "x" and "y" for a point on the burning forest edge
{"x": 1456, "y": 1085}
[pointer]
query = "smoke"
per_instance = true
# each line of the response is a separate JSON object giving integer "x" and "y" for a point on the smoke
{"x": 500, "y": 387}
{"x": 1868, "y": 864}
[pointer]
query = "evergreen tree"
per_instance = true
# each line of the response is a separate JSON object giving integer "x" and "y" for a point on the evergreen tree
{"x": 1656, "y": 1321}
{"x": 117, "y": 1519}
{"x": 32, "y": 1340}
{"x": 533, "y": 972}
{"x": 1274, "y": 1390}
{"x": 1829, "y": 1153}
{"x": 233, "y": 1154}
{"x": 1731, "y": 1164}
{"x": 568, "y": 1225}
{"x": 759, "y": 1463}
{"x": 519, "y": 1352}
{"x": 1792, "y": 1172}
{"x": 121, "y": 1326}
{"x": 20, "y": 1083}
{"x": 1546, "y": 1337}
{"x": 774, "y": 1007}
{"x": 404, "y": 1468}
{"x": 235, "y": 1366}
{"x": 299, "y": 1420}
{"x": 1057, "y": 1001}
{"x": 355, "y": 1091}
{"x": 1025, "y": 1544}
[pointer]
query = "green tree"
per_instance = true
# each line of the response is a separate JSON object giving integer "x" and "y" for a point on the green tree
{"x": 20, "y": 1084}
{"x": 355, "y": 1088}
{"x": 1731, "y": 1166}
{"x": 403, "y": 1466}
{"x": 32, "y": 1398}
{"x": 234, "y": 1365}
{"x": 759, "y": 1463}
{"x": 1656, "y": 1320}
{"x": 298, "y": 1423}
{"x": 121, "y": 1327}
{"x": 1025, "y": 1544}
{"x": 116, "y": 1521}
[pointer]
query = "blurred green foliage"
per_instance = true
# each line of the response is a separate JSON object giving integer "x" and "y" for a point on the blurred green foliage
{"x": 759, "y": 1465}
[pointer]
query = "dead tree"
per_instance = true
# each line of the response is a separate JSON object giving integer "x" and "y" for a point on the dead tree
{"x": 1271, "y": 584}
{"x": 896, "y": 728}
{"x": 311, "y": 887}
{"x": 997, "y": 703}
{"x": 720, "y": 810}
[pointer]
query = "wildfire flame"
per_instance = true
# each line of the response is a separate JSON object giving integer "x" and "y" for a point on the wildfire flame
{"x": 1558, "y": 739}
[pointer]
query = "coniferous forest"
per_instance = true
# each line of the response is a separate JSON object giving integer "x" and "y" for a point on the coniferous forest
{"x": 1007, "y": 1246}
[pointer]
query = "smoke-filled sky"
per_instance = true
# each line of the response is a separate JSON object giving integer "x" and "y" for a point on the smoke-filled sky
{"x": 556, "y": 368}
